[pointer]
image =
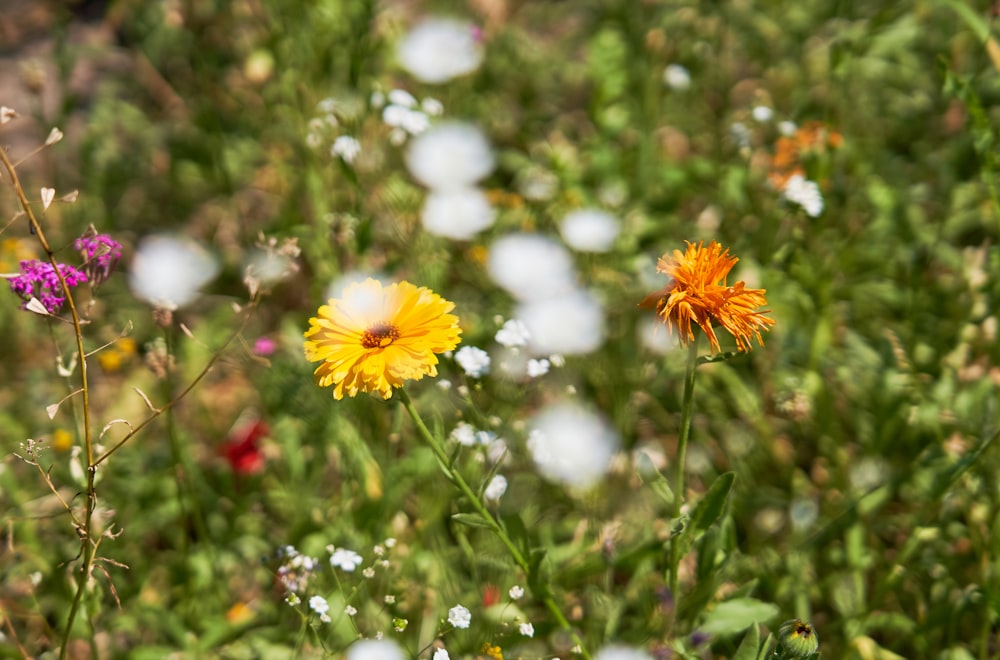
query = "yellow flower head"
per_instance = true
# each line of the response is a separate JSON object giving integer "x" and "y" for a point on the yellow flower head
{"x": 698, "y": 292}
{"x": 374, "y": 337}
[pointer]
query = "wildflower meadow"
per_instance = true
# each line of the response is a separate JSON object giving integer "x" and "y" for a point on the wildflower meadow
{"x": 597, "y": 330}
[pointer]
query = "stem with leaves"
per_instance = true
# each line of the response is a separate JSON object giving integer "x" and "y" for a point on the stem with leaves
{"x": 687, "y": 409}
{"x": 490, "y": 521}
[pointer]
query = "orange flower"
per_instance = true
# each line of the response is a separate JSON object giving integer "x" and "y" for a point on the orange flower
{"x": 695, "y": 294}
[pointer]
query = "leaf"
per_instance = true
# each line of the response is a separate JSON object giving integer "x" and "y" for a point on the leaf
{"x": 472, "y": 520}
{"x": 750, "y": 645}
{"x": 738, "y": 614}
{"x": 654, "y": 479}
{"x": 517, "y": 531}
{"x": 710, "y": 507}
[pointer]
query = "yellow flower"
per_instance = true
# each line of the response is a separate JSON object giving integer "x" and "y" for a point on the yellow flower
{"x": 373, "y": 338}
{"x": 696, "y": 294}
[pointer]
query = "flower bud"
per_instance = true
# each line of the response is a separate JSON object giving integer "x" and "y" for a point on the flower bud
{"x": 797, "y": 639}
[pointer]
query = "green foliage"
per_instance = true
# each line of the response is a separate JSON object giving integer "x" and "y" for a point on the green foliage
{"x": 845, "y": 472}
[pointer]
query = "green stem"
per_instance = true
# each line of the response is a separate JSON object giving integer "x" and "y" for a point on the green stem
{"x": 687, "y": 409}
{"x": 456, "y": 478}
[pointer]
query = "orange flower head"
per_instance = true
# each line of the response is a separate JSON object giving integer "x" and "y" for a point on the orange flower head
{"x": 698, "y": 293}
{"x": 375, "y": 337}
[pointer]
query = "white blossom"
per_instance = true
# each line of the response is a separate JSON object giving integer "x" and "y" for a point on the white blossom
{"x": 676, "y": 77}
{"x": 496, "y": 488}
{"x": 450, "y": 156}
{"x": 475, "y": 362}
{"x": 589, "y": 230}
{"x": 167, "y": 271}
{"x": 531, "y": 267}
{"x": 805, "y": 193}
{"x": 571, "y": 324}
{"x": 459, "y": 616}
{"x": 571, "y": 444}
{"x": 439, "y": 49}
{"x": 458, "y": 214}
{"x": 375, "y": 649}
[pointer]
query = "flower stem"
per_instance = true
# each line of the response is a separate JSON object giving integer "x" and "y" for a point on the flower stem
{"x": 477, "y": 503}
{"x": 687, "y": 409}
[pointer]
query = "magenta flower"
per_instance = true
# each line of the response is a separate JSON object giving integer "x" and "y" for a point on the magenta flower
{"x": 100, "y": 254}
{"x": 38, "y": 279}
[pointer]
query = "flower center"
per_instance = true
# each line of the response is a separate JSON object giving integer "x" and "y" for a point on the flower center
{"x": 379, "y": 335}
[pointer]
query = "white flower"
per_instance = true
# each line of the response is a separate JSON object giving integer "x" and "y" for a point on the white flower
{"x": 464, "y": 434}
{"x": 531, "y": 267}
{"x": 168, "y": 271}
{"x": 805, "y": 193}
{"x": 676, "y": 77}
{"x": 403, "y": 98}
{"x": 571, "y": 445}
{"x": 526, "y": 629}
{"x": 496, "y": 488}
{"x": 346, "y": 560}
{"x": 319, "y": 605}
{"x": 350, "y": 610}
{"x": 450, "y": 156}
{"x": 404, "y": 120}
{"x": 762, "y": 113}
{"x": 346, "y": 147}
{"x": 439, "y": 49}
{"x": 375, "y": 649}
{"x": 432, "y": 107}
{"x": 474, "y": 361}
{"x": 516, "y": 592}
{"x": 457, "y": 214}
{"x": 513, "y": 333}
{"x": 617, "y": 652}
{"x": 441, "y": 654}
{"x": 536, "y": 367}
{"x": 459, "y": 616}
{"x": 571, "y": 324}
{"x": 787, "y": 128}
{"x": 589, "y": 230}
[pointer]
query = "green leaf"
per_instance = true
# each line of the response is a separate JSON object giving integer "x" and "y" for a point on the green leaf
{"x": 750, "y": 645}
{"x": 472, "y": 520}
{"x": 738, "y": 614}
{"x": 517, "y": 531}
{"x": 710, "y": 507}
{"x": 654, "y": 479}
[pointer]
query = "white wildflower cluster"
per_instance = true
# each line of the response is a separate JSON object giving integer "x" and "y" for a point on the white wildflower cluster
{"x": 571, "y": 444}
{"x": 475, "y": 362}
{"x": 404, "y": 114}
{"x": 557, "y": 315}
{"x": 295, "y": 571}
{"x": 450, "y": 160}
{"x": 319, "y": 605}
{"x": 437, "y": 50}
{"x": 800, "y": 190}
{"x": 327, "y": 128}
{"x": 468, "y": 435}
{"x": 459, "y": 616}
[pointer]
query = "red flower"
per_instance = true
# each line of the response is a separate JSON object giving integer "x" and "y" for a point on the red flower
{"x": 242, "y": 447}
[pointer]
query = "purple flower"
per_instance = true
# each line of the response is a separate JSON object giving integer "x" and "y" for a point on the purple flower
{"x": 100, "y": 253}
{"x": 38, "y": 279}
